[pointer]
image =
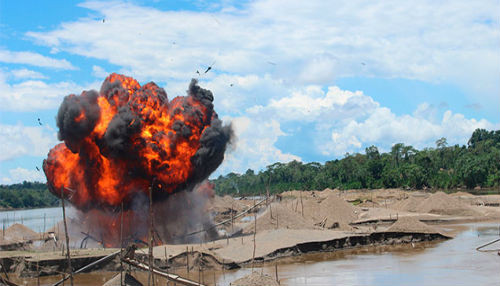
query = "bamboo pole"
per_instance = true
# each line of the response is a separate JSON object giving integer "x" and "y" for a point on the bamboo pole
{"x": 276, "y": 271}
{"x": 67, "y": 238}
{"x": 121, "y": 245}
{"x": 254, "y": 243}
{"x": 87, "y": 267}
{"x": 171, "y": 277}
{"x": 187, "y": 259}
{"x": 150, "y": 254}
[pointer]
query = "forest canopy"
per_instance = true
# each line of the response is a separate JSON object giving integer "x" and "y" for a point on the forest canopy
{"x": 440, "y": 167}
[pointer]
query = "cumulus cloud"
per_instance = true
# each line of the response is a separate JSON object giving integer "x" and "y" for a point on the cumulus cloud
{"x": 310, "y": 42}
{"x": 312, "y": 103}
{"x": 99, "y": 72}
{"x": 384, "y": 128}
{"x": 34, "y": 94}
{"x": 26, "y": 73}
{"x": 34, "y": 59}
{"x": 19, "y": 140}
{"x": 346, "y": 121}
{"x": 255, "y": 146}
{"x": 18, "y": 175}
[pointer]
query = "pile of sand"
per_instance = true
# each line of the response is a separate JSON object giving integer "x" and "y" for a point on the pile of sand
{"x": 462, "y": 194}
{"x": 330, "y": 212}
{"x": 19, "y": 232}
{"x": 256, "y": 279}
{"x": 410, "y": 204}
{"x": 443, "y": 204}
{"x": 221, "y": 204}
{"x": 279, "y": 216}
{"x": 411, "y": 224}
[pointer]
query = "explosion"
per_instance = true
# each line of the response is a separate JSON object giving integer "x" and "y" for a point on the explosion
{"x": 127, "y": 138}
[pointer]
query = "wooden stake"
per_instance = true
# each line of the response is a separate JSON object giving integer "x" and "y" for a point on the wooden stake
{"x": 150, "y": 254}
{"x": 301, "y": 204}
{"x": 187, "y": 260}
{"x": 232, "y": 219}
{"x": 38, "y": 271}
{"x": 276, "y": 271}
{"x": 121, "y": 245}
{"x": 254, "y": 243}
{"x": 67, "y": 238}
{"x": 277, "y": 221}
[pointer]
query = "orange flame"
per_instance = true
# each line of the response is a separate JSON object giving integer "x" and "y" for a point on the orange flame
{"x": 92, "y": 177}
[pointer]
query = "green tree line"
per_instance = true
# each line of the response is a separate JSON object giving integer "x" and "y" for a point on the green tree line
{"x": 441, "y": 167}
{"x": 26, "y": 195}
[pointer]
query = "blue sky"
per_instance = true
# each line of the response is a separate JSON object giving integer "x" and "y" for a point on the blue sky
{"x": 298, "y": 81}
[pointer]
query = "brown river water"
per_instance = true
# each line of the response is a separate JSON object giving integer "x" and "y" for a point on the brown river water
{"x": 451, "y": 262}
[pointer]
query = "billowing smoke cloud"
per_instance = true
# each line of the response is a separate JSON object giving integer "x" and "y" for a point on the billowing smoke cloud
{"x": 127, "y": 138}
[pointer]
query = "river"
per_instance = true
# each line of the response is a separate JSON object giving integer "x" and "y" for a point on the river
{"x": 450, "y": 262}
{"x": 38, "y": 220}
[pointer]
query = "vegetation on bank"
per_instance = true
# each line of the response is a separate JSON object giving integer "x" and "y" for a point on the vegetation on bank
{"x": 26, "y": 195}
{"x": 442, "y": 167}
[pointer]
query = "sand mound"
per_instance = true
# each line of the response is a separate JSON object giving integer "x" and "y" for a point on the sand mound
{"x": 256, "y": 279}
{"x": 411, "y": 224}
{"x": 18, "y": 232}
{"x": 282, "y": 217}
{"x": 441, "y": 203}
{"x": 298, "y": 194}
{"x": 331, "y": 212}
{"x": 226, "y": 203}
{"x": 461, "y": 194}
{"x": 408, "y": 205}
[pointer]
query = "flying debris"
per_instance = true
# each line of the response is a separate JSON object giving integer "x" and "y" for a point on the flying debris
{"x": 39, "y": 122}
{"x": 38, "y": 169}
{"x": 271, "y": 63}
{"x": 363, "y": 64}
{"x": 231, "y": 84}
{"x": 215, "y": 19}
{"x": 210, "y": 67}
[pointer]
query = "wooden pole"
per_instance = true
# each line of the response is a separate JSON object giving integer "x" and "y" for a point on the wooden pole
{"x": 276, "y": 271}
{"x": 187, "y": 260}
{"x": 301, "y": 204}
{"x": 254, "y": 243}
{"x": 67, "y": 238}
{"x": 172, "y": 277}
{"x": 121, "y": 245}
{"x": 38, "y": 271}
{"x": 150, "y": 254}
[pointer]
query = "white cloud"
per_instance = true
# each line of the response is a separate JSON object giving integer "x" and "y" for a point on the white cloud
{"x": 34, "y": 59}
{"x": 383, "y": 128}
{"x": 311, "y": 42}
{"x": 19, "y": 140}
{"x": 313, "y": 104}
{"x": 99, "y": 72}
{"x": 18, "y": 175}
{"x": 32, "y": 95}
{"x": 346, "y": 121}
{"x": 254, "y": 147}
{"x": 26, "y": 73}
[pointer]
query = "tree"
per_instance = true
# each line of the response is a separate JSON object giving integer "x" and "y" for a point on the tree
{"x": 441, "y": 143}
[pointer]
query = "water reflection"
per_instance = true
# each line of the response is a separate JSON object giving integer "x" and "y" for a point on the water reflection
{"x": 451, "y": 262}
